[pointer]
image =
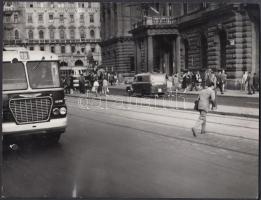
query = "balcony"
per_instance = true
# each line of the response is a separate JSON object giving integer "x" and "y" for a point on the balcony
{"x": 158, "y": 21}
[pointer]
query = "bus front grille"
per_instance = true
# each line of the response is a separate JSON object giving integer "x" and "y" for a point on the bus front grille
{"x": 30, "y": 110}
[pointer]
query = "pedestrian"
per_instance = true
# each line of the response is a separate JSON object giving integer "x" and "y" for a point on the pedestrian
{"x": 82, "y": 84}
{"x": 198, "y": 81}
{"x": 71, "y": 83}
{"x": 256, "y": 82}
{"x": 206, "y": 97}
{"x": 220, "y": 82}
{"x": 244, "y": 84}
{"x": 249, "y": 81}
{"x": 207, "y": 78}
{"x": 105, "y": 89}
{"x": 67, "y": 85}
{"x": 95, "y": 87}
{"x": 223, "y": 80}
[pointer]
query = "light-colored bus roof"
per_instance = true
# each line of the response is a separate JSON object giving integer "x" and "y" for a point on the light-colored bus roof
{"x": 72, "y": 68}
{"x": 149, "y": 73}
{"x": 10, "y": 53}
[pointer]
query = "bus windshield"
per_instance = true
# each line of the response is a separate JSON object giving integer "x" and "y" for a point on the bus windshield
{"x": 43, "y": 74}
{"x": 14, "y": 77}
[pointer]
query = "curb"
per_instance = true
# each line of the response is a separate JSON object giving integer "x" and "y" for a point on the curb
{"x": 168, "y": 107}
{"x": 191, "y": 94}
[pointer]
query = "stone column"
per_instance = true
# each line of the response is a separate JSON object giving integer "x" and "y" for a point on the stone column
{"x": 177, "y": 57}
{"x": 150, "y": 57}
{"x": 174, "y": 56}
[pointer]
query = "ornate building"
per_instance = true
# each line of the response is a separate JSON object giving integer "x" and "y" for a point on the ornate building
{"x": 69, "y": 29}
{"x": 172, "y": 37}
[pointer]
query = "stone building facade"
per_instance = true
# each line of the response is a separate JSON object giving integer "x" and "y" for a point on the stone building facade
{"x": 69, "y": 29}
{"x": 174, "y": 37}
{"x": 117, "y": 43}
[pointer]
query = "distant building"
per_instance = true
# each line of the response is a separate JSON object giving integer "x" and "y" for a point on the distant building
{"x": 69, "y": 29}
{"x": 174, "y": 37}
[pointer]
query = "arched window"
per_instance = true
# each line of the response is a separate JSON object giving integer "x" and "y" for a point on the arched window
{"x": 82, "y": 34}
{"x": 62, "y": 34}
{"x": 223, "y": 43}
{"x": 92, "y": 33}
{"x": 78, "y": 63}
{"x": 51, "y": 34}
{"x": 30, "y": 34}
{"x": 16, "y": 35}
{"x": 185, "y": 48}
{"x": 204, "y": 50}
{"x": 41, "y": 34}
{"x": 72, "y": 34}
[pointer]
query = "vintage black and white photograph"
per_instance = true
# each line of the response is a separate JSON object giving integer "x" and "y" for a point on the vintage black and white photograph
{"x": 130, "y": 99}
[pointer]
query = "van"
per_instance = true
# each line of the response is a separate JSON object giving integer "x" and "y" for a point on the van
{"x": 148, "y": 84}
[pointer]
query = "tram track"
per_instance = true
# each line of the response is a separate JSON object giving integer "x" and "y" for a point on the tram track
{"x": 166, "y": 135}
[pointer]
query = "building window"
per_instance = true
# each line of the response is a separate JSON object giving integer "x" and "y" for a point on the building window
{"x": 185, "y": 8}
{"x": 62, "y": 49}
{"x": 170, "y": 9}
{"x": 61, "y": 18}
{"x": 83, "y": 49}
{"x": 40, "y": 18}
{"x": 51, "y": 34}
{"x": 31, "y": 48}
{"x": 30, "y": 35}
{"x": 31, "y": 5}
{"x": 51, "y": 18}
{"x": 15, "y": 18}
{"x": 41, "y": 34}
{"x": 92, "y": 33}
{"x": 30, "y": 18}
{"x": 52, "y": 49}
{"x": 91, "y": 18}
{"x": 89, "y": 4}
{"x": 7, "y": 19}
{"x": 73, "y": 49}
{"x": 82, "y": 18}
{"x": 93, "y": 49}
{"x": 16, "y": 35}
{"x": 41, "y": 48}
{"x": 62, "y": 34}
{"x": 71, "y": 18}
{"x": 72, "y": 34}
{"x": 82, "y": 34}
{"x": 82, "y": 5}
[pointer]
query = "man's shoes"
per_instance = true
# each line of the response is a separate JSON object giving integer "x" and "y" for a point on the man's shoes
{"x": 194, "y": 132}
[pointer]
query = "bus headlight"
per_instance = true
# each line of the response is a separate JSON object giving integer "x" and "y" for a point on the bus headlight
{"x": 63, "y": 110}
{"x": 56, "y": 111}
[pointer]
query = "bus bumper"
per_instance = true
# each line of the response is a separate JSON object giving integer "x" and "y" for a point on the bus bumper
{"x": 53, "y": 125}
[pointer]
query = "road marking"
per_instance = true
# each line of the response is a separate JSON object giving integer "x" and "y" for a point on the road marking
{"x": 256, "y": 103}
{"x": 74, "y": 192}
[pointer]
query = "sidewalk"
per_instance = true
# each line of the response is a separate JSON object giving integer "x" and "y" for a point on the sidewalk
{"x": 227, "y": 93}
{"x": 171, "y": 104}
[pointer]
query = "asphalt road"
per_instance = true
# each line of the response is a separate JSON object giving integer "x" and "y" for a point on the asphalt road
{"x": 221, "y": 100}
{"x": 129, "y": 151}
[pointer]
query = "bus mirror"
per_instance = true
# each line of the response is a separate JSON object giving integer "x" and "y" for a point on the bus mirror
{"x": 15, "y": 60}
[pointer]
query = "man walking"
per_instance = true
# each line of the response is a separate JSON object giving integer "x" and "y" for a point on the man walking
{"x": 206, "y": 97}
{"x": 249, "y": 82}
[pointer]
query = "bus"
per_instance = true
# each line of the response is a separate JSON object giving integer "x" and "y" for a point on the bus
{"x": 33, "y": 95}
{"x": 75, "y": 71}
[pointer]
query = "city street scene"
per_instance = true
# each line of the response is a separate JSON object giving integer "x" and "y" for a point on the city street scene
{"x": 130, "y": 100}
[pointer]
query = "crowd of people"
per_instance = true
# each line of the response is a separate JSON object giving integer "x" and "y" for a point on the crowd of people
{"x": 197, "y": 80}
{"x": 95, "y": 81}
{"x": 189, "y": 81}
